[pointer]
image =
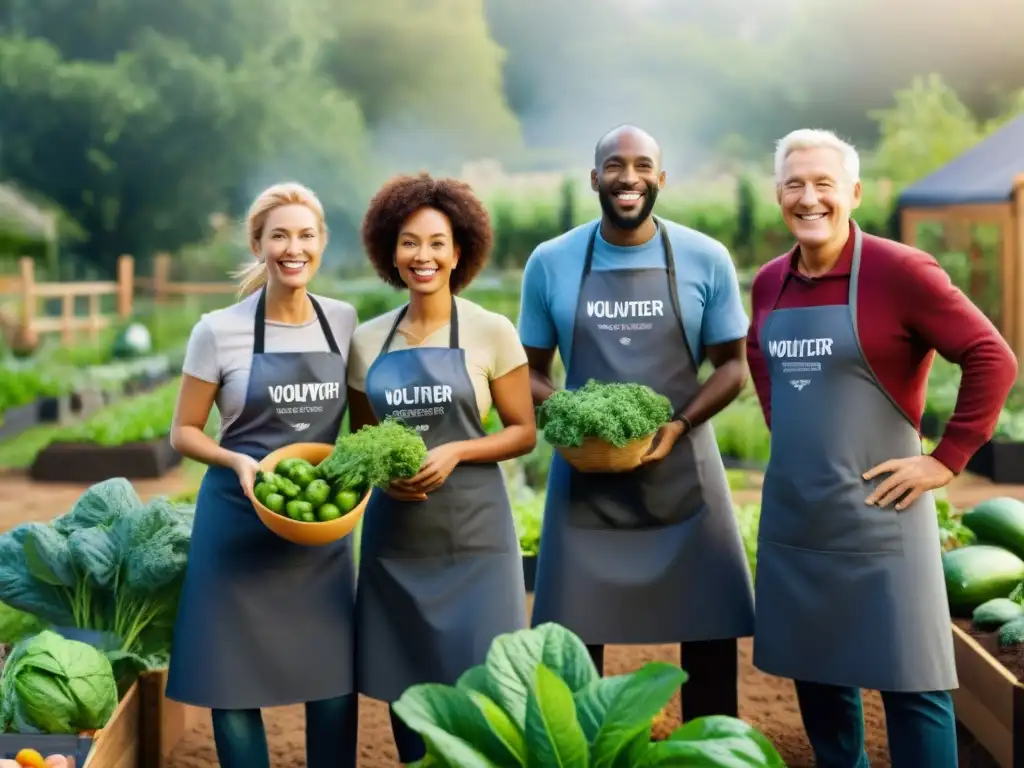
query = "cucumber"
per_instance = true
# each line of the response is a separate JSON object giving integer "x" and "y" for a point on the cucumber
{"x": 999, "y": 521}
{"x": 992, "y": 614}
{"x": 979, "y": 573}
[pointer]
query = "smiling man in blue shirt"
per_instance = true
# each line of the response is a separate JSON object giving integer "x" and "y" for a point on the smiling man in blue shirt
{"x": 653, "y": 555}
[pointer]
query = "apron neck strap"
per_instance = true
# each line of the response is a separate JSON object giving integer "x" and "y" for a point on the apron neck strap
{"x": 855, "y": 269}
{"x": 858, "y": 240}
{"x": 670, "y": 264}
{"x": 453, "y": 329}
{"x": 260, "y": 325}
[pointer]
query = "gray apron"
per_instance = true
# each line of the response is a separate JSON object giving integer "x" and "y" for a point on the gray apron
{"x": 264, "y": 622}
{"x": 847, "y": 594}
{"x": 438, "y": 579}
{"x": 653, "y": 555}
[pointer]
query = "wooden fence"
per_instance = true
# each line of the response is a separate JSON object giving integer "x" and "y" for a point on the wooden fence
{"x": 29, "y": 324}
{"x": 26, "y": 324}
{"x": 162, "y": 288}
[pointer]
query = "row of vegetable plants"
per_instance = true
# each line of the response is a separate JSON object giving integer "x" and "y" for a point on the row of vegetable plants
{"x": 87, "y": 606}
{"x": 129, "y": 438}
{"x": 49, "y": 392}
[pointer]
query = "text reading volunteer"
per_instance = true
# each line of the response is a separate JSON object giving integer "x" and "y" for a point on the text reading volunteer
{"x": 845, "y": 328}
{"x": 264, "y": 622}
{"x": 651, "y": 556}
{"x": 440, "y": 574}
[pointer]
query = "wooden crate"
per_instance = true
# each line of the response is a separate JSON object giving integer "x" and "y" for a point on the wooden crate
{"x": 117, "y": 745}
{"x": 164, "y": 723}
{"x": 989, "y": 702}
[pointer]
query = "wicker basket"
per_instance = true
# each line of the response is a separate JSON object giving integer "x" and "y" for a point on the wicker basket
{"x": 596, "y": 455}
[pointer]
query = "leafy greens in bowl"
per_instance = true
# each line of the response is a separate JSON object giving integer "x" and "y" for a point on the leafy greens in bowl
{"x": 615, "y": 412}
{"x": 604, "y": 426}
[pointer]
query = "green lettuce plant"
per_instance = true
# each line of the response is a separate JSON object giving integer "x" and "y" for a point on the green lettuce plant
{"x": 538, "y": 701}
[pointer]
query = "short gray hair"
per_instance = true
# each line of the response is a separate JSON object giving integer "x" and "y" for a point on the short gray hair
{"x": 814, "y": 138}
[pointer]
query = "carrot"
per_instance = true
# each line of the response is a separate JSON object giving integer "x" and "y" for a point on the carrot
{"x": 29, "y": 758}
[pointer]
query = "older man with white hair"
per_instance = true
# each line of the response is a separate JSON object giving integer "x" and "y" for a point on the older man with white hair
{"x": 850, "y": 592}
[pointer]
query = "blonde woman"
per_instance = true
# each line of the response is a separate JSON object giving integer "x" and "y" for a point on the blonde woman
{"x": 264, "y": 622}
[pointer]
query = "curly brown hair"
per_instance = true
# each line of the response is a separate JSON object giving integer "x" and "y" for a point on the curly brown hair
{"x": 401, "y": 197}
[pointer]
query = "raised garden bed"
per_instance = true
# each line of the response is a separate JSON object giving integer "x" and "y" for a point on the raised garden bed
{"x": 67, "y": 462}
{"x": 86, "y": 402}
{"x": 164, "y": 723}
{"x": 45, "y": 410}
{"x": 116, "y": 745}
{"x": 132, "y": 376}
{"x": 990, "y": 700}
{"x": 1002, "y": 461}
{"x": 16, "y": 420}
{"x": 146, "y": 382}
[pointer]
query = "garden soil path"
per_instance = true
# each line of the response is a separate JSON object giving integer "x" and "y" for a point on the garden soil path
{"x": 22, "y": 500}
{"x": 767, "y": 702}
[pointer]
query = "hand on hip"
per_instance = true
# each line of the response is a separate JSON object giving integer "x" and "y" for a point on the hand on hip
{"x": 908, "y": 478}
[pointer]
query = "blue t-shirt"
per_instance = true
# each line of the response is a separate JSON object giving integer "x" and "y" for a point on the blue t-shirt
{"x": 709, "y": 293}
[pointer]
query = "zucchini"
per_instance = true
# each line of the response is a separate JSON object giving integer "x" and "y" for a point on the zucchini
{"x": 979, "y": 573}
{"x": 998, "y": 521}
{"x": 992, "y": 614}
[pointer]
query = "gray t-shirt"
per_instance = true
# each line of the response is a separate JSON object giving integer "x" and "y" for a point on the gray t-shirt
{"x": 220, "y": 347}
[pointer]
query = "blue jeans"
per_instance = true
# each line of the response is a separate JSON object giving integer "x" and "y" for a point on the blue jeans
{"x": 921, "y": 727}
{"x": 332, "y": 727}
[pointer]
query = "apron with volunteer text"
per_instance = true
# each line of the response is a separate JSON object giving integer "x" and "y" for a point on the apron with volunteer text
{"x": 653, "y": 555}
{"x": 264, "y": 622}
{"x": 846, "y": 593}
{"x": 438, "y": 579}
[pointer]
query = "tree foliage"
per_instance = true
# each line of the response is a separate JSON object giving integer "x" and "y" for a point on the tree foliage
{"x": 926, "y": 127}
{"x": 143, "y": 118}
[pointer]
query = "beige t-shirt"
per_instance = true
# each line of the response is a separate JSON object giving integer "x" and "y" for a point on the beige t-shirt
{"x": 490, "y": 340}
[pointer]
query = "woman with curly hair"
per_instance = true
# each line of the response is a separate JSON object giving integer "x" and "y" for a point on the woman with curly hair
{"x": 440, "y": 574}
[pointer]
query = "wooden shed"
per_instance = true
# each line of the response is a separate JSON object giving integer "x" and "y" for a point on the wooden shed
{"x": 984, "y": 185}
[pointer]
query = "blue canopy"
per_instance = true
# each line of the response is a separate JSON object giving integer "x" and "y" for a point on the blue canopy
{"x": 982, "y": 174}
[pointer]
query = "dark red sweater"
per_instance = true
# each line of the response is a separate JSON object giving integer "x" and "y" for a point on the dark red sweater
{"x": 908, "y": 309}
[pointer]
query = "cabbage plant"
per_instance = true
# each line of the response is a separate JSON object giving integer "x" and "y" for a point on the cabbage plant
{"x": 54, "y": 685}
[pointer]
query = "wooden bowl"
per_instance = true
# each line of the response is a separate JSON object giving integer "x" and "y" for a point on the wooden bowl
{"x": 596, "y": 455}
{"x": 311, "y": 534}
